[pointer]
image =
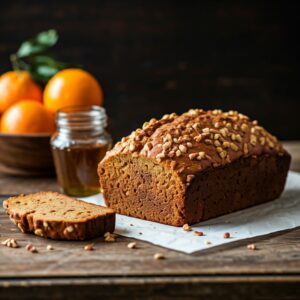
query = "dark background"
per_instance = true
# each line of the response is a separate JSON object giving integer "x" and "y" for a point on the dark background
{"x": 156, "y": 57}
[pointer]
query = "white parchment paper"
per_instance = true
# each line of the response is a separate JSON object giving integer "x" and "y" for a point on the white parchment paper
{"x": 277, "y": 215}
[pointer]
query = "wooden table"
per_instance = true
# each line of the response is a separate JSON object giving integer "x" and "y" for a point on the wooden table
{"x": 113, "y": 271}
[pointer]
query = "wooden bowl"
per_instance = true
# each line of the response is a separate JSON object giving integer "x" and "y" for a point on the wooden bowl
{"x": 26, "y": 155}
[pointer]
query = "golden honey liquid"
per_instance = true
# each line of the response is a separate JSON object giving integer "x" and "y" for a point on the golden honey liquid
{"x": 76, "y": 168}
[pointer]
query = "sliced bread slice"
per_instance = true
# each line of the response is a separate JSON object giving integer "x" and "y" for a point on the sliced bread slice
{"x": 57, "y": 216}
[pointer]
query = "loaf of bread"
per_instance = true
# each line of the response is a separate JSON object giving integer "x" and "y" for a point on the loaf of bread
{"x": 193, "y": 167}
{"x": 57, "y": 216}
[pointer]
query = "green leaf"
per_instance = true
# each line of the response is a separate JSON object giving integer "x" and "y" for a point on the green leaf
{"x": 29, "y": 48}
{"x": 47, "y": 38}
{"x": 43, "y": 59}
{"x": 48, "y": 60}
{"x": 35, "y": 57}
{"x": 39, "y": 44}
{"x": 46, "y": 71}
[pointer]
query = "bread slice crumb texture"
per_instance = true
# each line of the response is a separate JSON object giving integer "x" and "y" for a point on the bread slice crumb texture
{"x": 57, "y": 216}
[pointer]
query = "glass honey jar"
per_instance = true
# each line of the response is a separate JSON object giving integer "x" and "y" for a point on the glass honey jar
{"x": 78, "y": 145}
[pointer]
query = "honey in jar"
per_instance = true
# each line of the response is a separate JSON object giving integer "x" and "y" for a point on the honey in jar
{"x": 78, "y": 145}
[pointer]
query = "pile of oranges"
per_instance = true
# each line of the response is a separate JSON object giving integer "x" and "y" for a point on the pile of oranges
{"x": 27, "y": 109}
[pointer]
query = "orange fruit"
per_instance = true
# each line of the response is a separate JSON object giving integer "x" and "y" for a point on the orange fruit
{"x": 16, "y": 86}
{"x": 71, "y": 87}
{"x": 27, "y": 116}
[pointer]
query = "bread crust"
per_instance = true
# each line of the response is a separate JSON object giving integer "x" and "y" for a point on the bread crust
{"x": 35, "y": 218}
{"x": 182, "y": 155}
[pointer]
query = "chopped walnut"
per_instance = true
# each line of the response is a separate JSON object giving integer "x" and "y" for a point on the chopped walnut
{"x": 198, "y": 233}
{"x": 131, "y": 147}
{"x": 38, "y": 232}
{"x": 244, "y": 127}
{"x": 226, "y": 235}
{"x": 49, "y": 247}
{"x": 182, "y": 148}
{"x": 31, "y": 248}
{"x": 201, "y": 155}
{"x": 11, "y": 243}
{"x": 187, "y": 227}
{"x": 131, "y": 245}
{"x": 193, "y": 156}
{"x": 251, "y": 247}
{"x": 89, "y": 247}
{"x": 234, "y": 147}
{"x": 158, "y": 256}
{"x": 109, "y": 237}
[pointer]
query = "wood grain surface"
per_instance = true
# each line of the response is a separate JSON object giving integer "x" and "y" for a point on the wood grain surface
{"x": 113, "y": 271}
{"x": 277, "y": 254}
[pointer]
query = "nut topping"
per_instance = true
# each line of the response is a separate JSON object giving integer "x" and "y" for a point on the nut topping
{"x": 244, "y": 127}
{"x": 196, "y": 126}
{"x": 224, "y": 132}
{"x": 238, "y": 138}
{"x": 208, "y": 141}
{"x": 262, "y": 140}
{"x": 178, "y": 153}
{"x": 219, "y": 149}
{"x": 131, "y": 147}
{"x": 168, "y": 138}
{"x": 198, "y": 138}
{"x": 182, "y": 148}
{"x": 253, "y": 140}
{"x": 193, "y": 156}
{"x": 226, "y": 144}
{"x": 201, "y": 155}
{"x": 234, "y": 147}
{"x": 217, "y": 143}
{"x": 223, "y": 154}
{"x": 225, "y": 135}
{"x": 217, "y": 136}
{"x": 160, "y": 155}
{"x": 166, "y": 145}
